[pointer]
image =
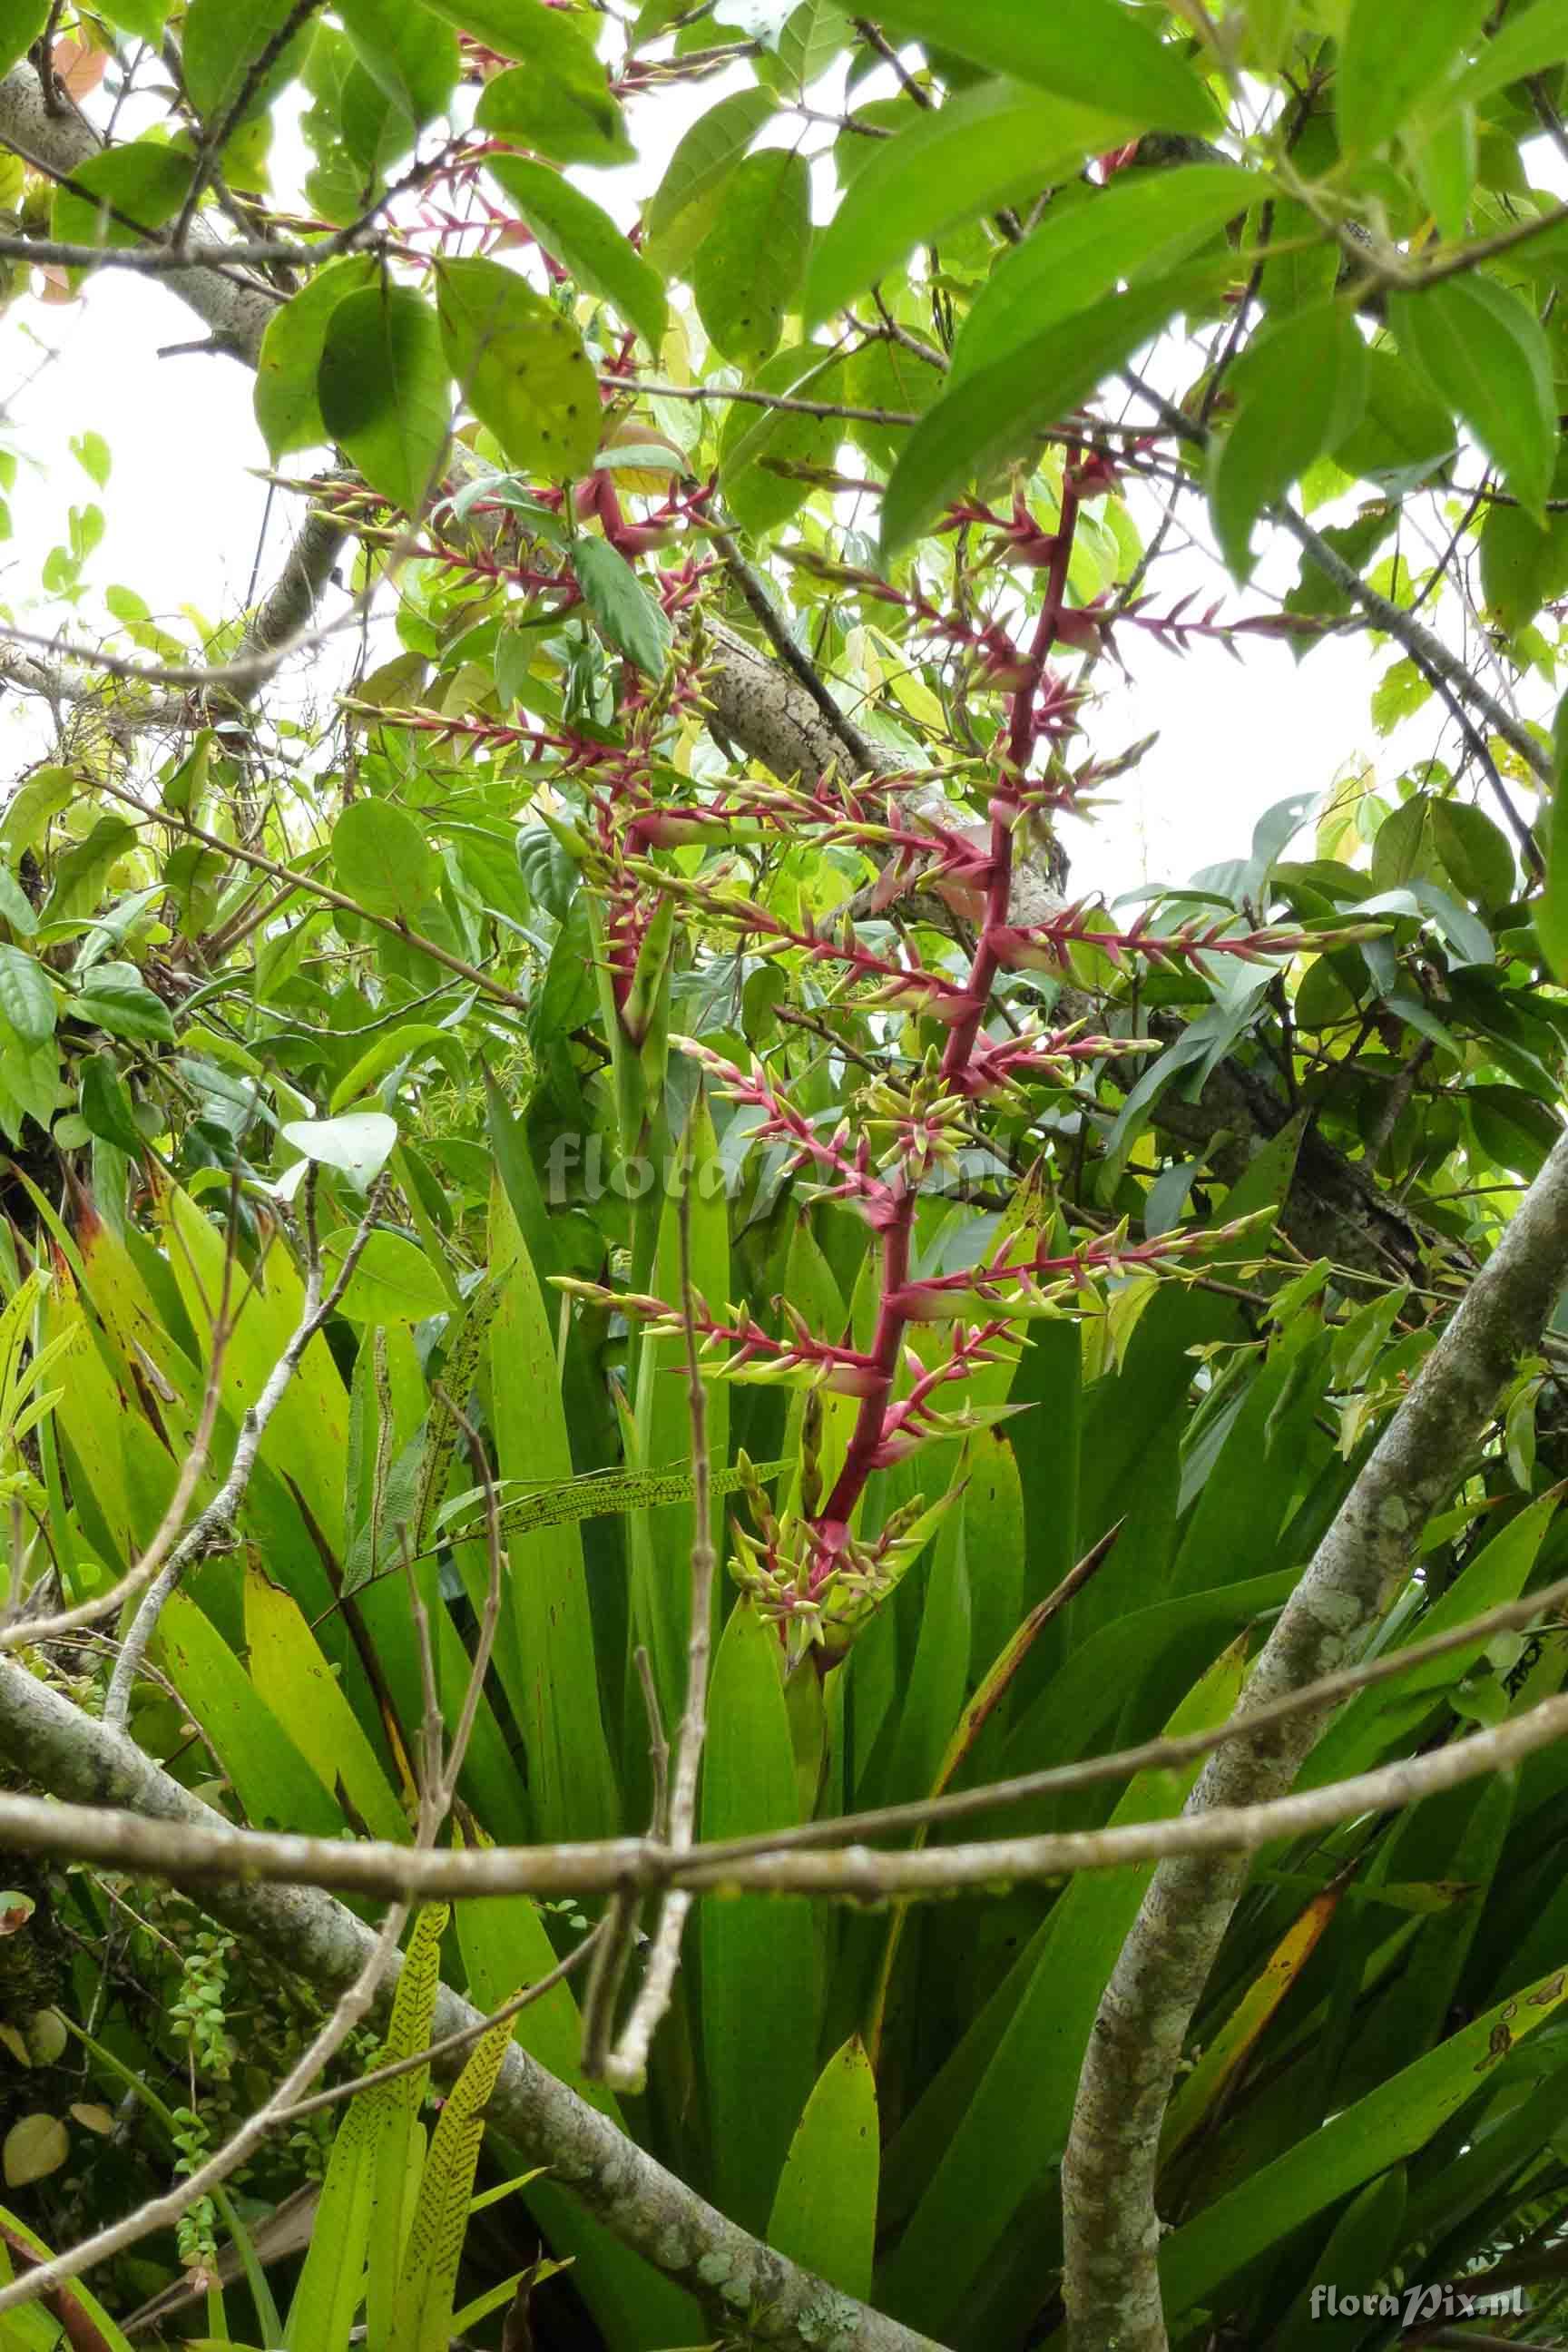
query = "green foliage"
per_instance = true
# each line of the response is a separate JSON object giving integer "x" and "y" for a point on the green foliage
{"x": 1050, "y": 1265}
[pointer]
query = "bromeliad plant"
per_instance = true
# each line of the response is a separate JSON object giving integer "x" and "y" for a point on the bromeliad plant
{"x": 591, "y": 1199}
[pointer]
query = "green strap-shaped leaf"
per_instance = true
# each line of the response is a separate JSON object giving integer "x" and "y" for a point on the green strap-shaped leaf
{"x": 1375, "y": 1718}
{"x": 463, "y": 1366}
{"x": 1551, "y": 907}
{"x": 608, "y": 1494}
{"x": 331, "y": 2284}
{"x": 759, "y": 1957}
{"x": 661, "y": 1540}
{"x": 1391, "y": 2122}
{"x": 825, "y": 2213}
{"x": 1002, "y": 2145}
{"x": 546, "y": 1655}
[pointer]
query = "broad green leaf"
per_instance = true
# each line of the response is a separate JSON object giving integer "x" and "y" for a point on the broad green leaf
{"x": 585, "y": 241}
{"x": 756, "y": 445}
{"x": 1300, "y": 390}
{"x": 1143, "y": 226}
{"x": 687, "y": 199}
{"x": 758, "y": 1954}
{"x": 358, "y": 1145}
{"x": 417, "y": 1043}
{"x": 34, "y": 804}
{"x": 383, "y": 389}
{"x": 1091, "y": 50}
{"x": 383, "y": 858}
{"x": 1530, "y": 40}
{"x": 1513, "y": 1129}
{"x": 510, "y": 28}
{"x": 104, "y": 1105}
{"x": 288, "y": 408}
{"x": 625, "y": 610}
{"x": 825, "y": 2211}
{"x": 1390, "y": 58}
{"x": 222, "y": 43}
{"x": 1551, "y": 906}
{"x": 145, "y": 19}
{"x": 1481, "y": 349}
{"x": 1474, "y": 852}
{"x": 558, "y": 99}
{"x": 521, "y": 365}
{"x": 1270, "y": 23}
{"x": 1404, "y": 434}
{"x": 26, "y": 999}
{"x": 408, "y": 53}
{"x": 984, "y": 149}
{"x": 146, "y": 181}
{"x": 393, "y": 1280}
{"x": 1523, "y": 565}
{"x": 115, "y": 998}
{"x": 747, "y": 269}
{"x": 1391, "y": 2122}
{"x": 992, "y": 414}
{"x": 21, "y": 22}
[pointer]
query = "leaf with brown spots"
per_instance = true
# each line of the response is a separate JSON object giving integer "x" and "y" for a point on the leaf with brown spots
{"x": 520, "y": 366}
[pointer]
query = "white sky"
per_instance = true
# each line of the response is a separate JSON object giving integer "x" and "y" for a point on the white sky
{"x": 184, "y": 508}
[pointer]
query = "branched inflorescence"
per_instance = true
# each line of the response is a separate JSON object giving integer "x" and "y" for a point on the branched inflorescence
{"x": 642, "y": 830}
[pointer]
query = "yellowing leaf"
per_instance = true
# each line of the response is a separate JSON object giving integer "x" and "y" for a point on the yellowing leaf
{"x": 521, "y": 367}
{"x": 33, "y": 2147}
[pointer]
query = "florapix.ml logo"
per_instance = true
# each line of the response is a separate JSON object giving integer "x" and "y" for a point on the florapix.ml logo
{"x": 1416, "y": 2306}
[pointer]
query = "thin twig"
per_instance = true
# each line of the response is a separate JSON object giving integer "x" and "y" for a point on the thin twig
{"x": 625, "y": 2067}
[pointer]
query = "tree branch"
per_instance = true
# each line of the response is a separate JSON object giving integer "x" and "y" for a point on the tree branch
{"x": 1112, "y": 2229}
{"x": 739, "y": 2281}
